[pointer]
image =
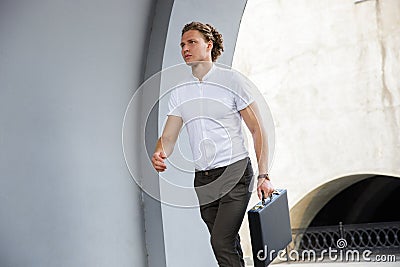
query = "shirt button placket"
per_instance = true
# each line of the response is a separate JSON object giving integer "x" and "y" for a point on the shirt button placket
{"x": 203, "y": 126}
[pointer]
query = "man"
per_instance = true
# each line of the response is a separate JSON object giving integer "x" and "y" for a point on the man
{"x": 212, "y": 107}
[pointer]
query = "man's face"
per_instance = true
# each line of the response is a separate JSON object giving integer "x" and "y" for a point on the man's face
{"x": 194, "y": 47}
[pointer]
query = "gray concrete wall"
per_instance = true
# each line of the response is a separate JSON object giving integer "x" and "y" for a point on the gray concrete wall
{"x": 152, "y": 207}
{"x": 330, "y": 72}
{"x": 67, "y": 72}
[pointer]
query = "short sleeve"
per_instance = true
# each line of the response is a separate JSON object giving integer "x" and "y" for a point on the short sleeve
{"x": 243, "y": 93}
{"x": 173, "y": 106}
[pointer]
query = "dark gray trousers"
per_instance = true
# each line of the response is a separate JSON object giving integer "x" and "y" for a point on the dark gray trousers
{"x": 224, "y": 194}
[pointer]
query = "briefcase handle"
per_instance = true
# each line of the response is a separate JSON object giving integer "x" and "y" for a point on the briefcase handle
{"x": 264, "y": 199}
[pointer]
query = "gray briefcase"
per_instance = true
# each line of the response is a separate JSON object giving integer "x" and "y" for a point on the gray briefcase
{"x": 270, "y": 230}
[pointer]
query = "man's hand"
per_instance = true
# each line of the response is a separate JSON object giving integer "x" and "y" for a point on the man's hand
{"x": 264, "y": 186}
{"x": 165, "y": 144}
{"x": 158, "y": 161}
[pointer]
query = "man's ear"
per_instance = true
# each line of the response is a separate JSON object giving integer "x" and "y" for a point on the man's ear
{"x": 210, "y": 45}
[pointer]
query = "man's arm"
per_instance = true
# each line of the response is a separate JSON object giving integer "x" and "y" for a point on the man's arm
{"x": 252, "y": 118}
{"x": 165, "y": 144}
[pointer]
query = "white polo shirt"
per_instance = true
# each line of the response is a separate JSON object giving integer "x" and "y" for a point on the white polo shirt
{"x": 210, "y": 113}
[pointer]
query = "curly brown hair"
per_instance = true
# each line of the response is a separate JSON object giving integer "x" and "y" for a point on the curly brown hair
{"x": 210, "y": 34}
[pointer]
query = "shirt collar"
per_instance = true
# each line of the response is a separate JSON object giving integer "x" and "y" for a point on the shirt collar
{"x": 205, "y": 77}
{"x": 209, "y": 72}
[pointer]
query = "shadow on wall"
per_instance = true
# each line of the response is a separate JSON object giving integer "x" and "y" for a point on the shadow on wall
{"x": 362, "y": 198}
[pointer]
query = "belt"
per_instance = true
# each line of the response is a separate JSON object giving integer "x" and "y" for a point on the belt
{"x": 217, "y": 170}
{"x": 211, "y": 172}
